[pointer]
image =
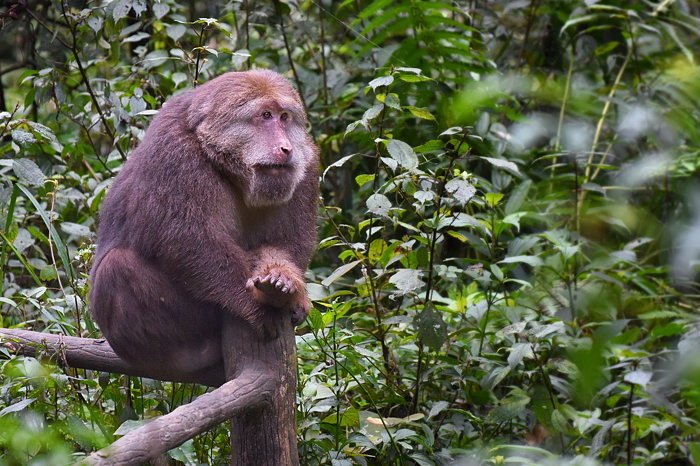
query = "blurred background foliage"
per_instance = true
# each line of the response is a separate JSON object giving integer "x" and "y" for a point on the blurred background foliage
{"x": 509, "y": 228}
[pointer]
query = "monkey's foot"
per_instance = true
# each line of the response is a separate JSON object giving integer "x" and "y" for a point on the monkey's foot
{"x": 277, "y": 285}
{"x": 274, "y": 282}
{"x": 300, "y": 312}
{"x": 281, "y": 287}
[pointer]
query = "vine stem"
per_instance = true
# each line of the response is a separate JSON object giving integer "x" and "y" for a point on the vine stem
{"x": 549, "y": 387}
{"x": 629, "y": 424}
{"x": 599, "y": 130}
{"x": 200, "y": 36}
{"x": 83, "y": 74}
{"x": 562, "y": 111}
{"x": 431, "y": 269}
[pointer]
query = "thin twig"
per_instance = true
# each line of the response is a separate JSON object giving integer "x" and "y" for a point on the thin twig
{"x": 629, "y": 424}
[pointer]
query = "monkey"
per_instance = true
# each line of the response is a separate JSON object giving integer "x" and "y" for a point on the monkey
{"x": 214, "y": 212}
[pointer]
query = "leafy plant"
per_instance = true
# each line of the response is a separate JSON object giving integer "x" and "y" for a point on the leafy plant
{"x": 507, "y": 262}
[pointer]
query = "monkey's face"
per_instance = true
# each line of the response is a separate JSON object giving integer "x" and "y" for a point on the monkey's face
{"x": 256, "y": 134}
{"x": 277, "y": 153}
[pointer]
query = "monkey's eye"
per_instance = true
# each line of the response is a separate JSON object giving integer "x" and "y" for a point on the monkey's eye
{"x": 266, "y": 115}
{"x": 284, "y": 116}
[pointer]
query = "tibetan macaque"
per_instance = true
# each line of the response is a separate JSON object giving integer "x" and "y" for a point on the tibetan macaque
{"x": 214, "y": 212}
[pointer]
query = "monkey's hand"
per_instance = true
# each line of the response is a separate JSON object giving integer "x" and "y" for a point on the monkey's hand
{"x": 281, "y": 286}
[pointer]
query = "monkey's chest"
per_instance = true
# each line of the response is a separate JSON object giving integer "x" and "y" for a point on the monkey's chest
{"x": 263, "y": 232}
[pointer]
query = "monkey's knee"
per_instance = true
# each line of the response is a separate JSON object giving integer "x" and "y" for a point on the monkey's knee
{"x": 108, "y": 281}
{"x": 125, "y": 303}
{"x": 147, "y": 320}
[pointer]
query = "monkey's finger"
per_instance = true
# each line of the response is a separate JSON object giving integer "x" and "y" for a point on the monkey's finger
{"x": 250, "y": 284}
{"x": 275, "y": 274}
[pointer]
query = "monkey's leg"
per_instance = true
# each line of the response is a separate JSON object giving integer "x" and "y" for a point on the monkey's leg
{"x": 149, "y": 320}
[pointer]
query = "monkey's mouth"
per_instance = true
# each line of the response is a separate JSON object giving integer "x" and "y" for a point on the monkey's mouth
{"x": 274, "y": 168}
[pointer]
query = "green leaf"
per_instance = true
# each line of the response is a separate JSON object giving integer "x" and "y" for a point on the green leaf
{"x": 160, "y": 9}
{"x": 695, "y": 451}
{"x": 372, "y": 112}
{"x": 639, "y": 377}
{"x": 510, "y": 408}
{"x": 517, "y": 197}
{"x": 492, "y": 199}
{"x": 139, "y": 36}
{"x": 337, "y": 164}
{"x": 421, "y": 112}
{"x": 48, "y": 273}
{"x": 76, "y": 229}
{"x": 559, "y": 422}
{"x": 362, "y": 179}
{"x": 58, "y": 242}
{"x": 431, "y": 328}
{"x": 349, "y": 418}
{"x": 376, "y": 249}
{"x": 533, "y": 261}
{"x": 185, "y": 452}
{"x": 462, "y": 190}
{"x": 339, "y": 272}
{"x": 23, "y": 138}
{"x": 175, "y": 31}
{"x": 503, "y": 164}
{"x": 403, "y": 154}
{"x": 379, "y": 204}
{"x": 390, "y": 100}
{"x": 457, "y": 235}
{"x": 19, "y": 406}
{"x": 130, "y": 425}
{"x": 494, "y": 377}
{"x": 381, "y": 81}
{"x": 407, "y": 280}
{"x": 518, "y": 352}
{"x": 28, "y": 172}
{"x": 122, "y": 8}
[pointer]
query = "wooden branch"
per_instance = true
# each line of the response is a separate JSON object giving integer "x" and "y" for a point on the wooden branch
{"x": 259, "y": 398}
{"x": 252, "y": 389}
{"x": 90, "y": 353}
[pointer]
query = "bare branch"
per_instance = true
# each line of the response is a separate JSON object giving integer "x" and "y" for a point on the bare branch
{"x": 253, "y": 388}
{"x": 94, "y": 354}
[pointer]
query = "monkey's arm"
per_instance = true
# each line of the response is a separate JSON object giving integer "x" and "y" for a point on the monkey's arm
{"x": 213, "y": 268}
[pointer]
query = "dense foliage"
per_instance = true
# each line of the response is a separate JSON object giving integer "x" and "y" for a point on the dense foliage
{"x": 508, "y": 228}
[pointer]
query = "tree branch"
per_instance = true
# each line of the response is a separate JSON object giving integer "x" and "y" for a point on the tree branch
{"x": 253, "y": 388}
{"x": 94, "y": 354}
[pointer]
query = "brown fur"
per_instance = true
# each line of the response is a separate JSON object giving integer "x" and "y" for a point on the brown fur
{"x": 214, "y": 212}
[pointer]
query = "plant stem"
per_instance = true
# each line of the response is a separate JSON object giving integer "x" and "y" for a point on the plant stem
{"x": 629, "y": 425}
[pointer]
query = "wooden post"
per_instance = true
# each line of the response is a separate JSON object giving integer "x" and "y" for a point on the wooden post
{"x": 264, "y": 435}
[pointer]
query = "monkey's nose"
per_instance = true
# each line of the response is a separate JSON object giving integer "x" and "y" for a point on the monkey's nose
{"x": 284, "y": 154}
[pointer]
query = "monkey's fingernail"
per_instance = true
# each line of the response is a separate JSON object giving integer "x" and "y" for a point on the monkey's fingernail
{"x": 285, "y": 289}
{"x": 249, "y": 285}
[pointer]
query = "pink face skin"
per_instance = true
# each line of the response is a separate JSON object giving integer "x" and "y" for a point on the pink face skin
{"x": 261, "y": 141}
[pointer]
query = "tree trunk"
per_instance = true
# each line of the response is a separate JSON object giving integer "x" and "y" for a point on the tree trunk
{"x": 264, "y": 435}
